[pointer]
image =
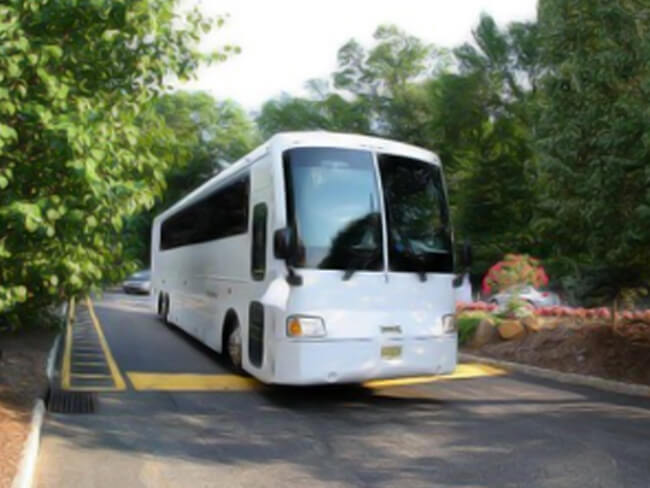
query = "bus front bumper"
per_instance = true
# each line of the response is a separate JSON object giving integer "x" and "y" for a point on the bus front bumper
{"x": 313, "y": 362}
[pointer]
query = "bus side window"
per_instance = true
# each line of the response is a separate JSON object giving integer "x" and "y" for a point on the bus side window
{"x": 258, "y": 251}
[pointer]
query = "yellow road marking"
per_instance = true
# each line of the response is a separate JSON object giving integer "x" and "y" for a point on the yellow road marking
{"x": 191, "y": 382}
{"x": 112, "y": 365}
{"x": 231, "y": 382}
{"x": 67, "y": 352}
{"x": 463, "y": 371}
{"x": 90, "y": 376}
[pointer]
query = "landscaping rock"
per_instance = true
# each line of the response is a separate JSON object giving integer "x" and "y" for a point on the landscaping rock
{"x": 550, "y": 323}
{"x": 511, "y": 329}
{"x": 532, "y": 324}
{"x": 486, "y": 333}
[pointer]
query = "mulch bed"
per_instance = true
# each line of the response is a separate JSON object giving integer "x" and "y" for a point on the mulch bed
{"x": 592, "y": 350}
{"x": 22, "y": 380}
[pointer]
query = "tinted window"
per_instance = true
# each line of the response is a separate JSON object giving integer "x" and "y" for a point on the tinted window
{"x": 221, "y": 214}
{"x": 419, "y": 237}
{"x": 258, "y": 253}
{"x": 333, "y": 203}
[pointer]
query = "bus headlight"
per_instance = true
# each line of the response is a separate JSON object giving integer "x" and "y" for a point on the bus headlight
{"x": 449, "y": 324}
{"x": 298, "y": 326}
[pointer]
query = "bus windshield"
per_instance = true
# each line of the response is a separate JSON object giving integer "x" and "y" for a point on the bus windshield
{"x": 419, "y": 234}
{"x": 334, "y": 205}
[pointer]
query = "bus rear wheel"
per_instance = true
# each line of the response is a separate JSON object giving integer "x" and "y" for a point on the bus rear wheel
{"x": 163, "y": 307}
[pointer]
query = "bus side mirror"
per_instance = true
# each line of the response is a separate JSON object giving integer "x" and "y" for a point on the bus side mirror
{"x": 282, "y": 243}
{"x": 284, "y": 247}
{"x": 467, "y": 254}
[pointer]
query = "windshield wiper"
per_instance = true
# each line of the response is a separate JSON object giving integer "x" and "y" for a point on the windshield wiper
{"x": 418, "y": 258}
{"x": 369, "y": 258}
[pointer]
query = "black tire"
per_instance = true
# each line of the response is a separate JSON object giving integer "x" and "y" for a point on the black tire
{"x": 163, "y": 308}
{"x": 233, "y": 345}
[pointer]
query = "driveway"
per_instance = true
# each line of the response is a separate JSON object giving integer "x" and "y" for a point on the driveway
{"x": 183, "y": 418}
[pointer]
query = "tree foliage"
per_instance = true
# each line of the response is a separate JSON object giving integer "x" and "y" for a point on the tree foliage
{"x": 481, "y": 120}
{"x": 203, "y": 136}
{"x": 594, "y": 139}
{"x": 74, "y": 163}
{"x": 387, "y": 80}
{"x": 326, "y": 111}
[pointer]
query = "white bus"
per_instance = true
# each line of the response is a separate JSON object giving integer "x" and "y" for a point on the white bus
{"x": 318, "y": 258}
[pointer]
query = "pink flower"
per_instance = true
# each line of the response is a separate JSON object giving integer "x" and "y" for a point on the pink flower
{"x": 514, "y": 269}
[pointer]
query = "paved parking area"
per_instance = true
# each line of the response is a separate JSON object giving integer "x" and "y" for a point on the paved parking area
{"x": 482, "y": 428}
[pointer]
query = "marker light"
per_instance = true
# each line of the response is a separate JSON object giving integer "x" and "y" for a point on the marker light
{"x": 449, "y": 324}
{"x": 298, "y": 326}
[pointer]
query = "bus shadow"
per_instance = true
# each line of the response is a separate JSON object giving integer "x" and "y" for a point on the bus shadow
{"x": 219, "y": 359}
{"x": 333, "y": 397}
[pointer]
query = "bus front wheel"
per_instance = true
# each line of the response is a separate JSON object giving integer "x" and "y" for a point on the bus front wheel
{"x": 234, "y": 346}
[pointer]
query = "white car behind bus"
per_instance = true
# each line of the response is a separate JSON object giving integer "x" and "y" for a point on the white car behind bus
{"x": 318, "y": 258}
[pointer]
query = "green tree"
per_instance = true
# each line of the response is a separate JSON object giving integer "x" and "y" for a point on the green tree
{"x": 594, "y": 138}
{"x": 323, "y": 110}
{"x": 203, "y": 136}
{"x": 75, "y": 77}
{"x": 388, "y": 82}
{"x": 376, "y": 91}
{"x": 481, "y": 124}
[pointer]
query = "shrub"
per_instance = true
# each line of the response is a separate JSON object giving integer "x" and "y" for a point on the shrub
{"x": 516, "y": 308}
{"x": 514, "y": 270}
{"x": 467, "y": 325}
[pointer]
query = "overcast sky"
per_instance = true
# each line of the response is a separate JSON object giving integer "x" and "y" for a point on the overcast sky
{"x": 287, "y": 42}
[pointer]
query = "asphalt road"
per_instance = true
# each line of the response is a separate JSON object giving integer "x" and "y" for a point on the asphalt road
{"x": 490, "y": 431}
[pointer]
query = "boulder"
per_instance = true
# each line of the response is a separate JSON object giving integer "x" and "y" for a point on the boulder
{"x": 550, "y": 323}
{"x": 532, "y": 324}
{"x": 511, "y": 329}
{"x": 486, "y": 333}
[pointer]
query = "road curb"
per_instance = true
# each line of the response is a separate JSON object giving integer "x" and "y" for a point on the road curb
{"x": 568, "y": 378}
{"x": 24, "y": 477}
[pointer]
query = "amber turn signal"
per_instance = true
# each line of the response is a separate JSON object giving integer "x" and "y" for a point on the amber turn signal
{"x": 293, "y": 328}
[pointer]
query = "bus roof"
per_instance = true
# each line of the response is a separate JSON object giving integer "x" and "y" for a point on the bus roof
{"x": 286, "y": 140}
